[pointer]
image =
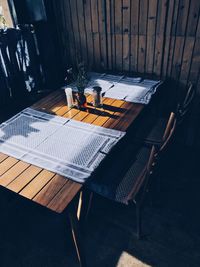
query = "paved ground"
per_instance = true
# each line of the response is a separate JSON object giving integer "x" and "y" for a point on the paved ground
{"x": 31, "y": 236}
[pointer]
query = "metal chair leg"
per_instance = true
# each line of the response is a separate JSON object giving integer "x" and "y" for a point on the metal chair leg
{"x": 89, "y": 206}
{"x": 80, "y": 202}
{"x": 84, "y": 206}
{"x": 77, "y": 238}
{"x": 138, "y": 220}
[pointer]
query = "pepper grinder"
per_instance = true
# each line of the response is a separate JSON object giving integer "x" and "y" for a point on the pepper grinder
{"x": 97, "y": 96}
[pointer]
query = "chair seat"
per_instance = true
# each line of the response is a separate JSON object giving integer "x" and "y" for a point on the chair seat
{"x": 116, "y": 187}
{"x": 154, "y": 136}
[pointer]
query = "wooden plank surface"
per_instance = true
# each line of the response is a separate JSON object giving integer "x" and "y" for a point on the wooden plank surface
{"x": 126, "y": 34}
{"x": 151, "y": 35}
{"x": 50, "y": 189}
{"x": 118, "y": 35}
{"x": 138, "y": 36}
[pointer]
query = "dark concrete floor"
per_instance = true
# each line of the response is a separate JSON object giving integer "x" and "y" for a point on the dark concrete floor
{"x": 31, "y": 236}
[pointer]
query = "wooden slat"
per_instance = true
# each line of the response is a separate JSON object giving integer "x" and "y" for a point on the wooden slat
{"x": 69, "y": 27}
{"x": 141, "y": 53}
{"x": 181, "y": 28}
{"x": 2, "y": 157}
{"x": 151, "y": 32}
{"x": 184, "y": 7}
{"x": 158, "y": 54}
{"x": 64, "y": 196}
{"x": 54, "y": 102}
{"x": 88, "y": 26}
{"x": 149, "y": 64}
{"x": 135, "y": 8}
{"x": 113, "y": 39}
{"x": 118, "y": 34}
{"x": 36, "y": 185}
{"x": 118, "y": 54}
{"x": 109, "y": 30}
{"x": 82, "y": 30}
{"x": 94, "y": 113}
{"x": 169, "y": 25}
{"x": 101, "y": 120}
{"x": 131, "y": 115}
{"x": 103, "y": 33}
{"x": 56, "y": 106}
{"x": 187, "y": 57}
{"x": 134, "y": 53}
{"x": 172, "y": 39}
{"x": 61, "y": 110}
{"x": 50, "y": 190}
{"x": 95, "y": 34}
{"x": 126, "y": 9}
{"x": 7, "y": 164}
{"x": 80, "y": 116}
{"x": 160, "y": 37}
{"x": 198, "y": 29}
{"x": 126, "y": 52}
{"x": 75, "y": 28}
{"x": 13, "y": 172}
{"x": 71, "y": 113}
{"x": 195, "y": 64}
{"x": 63, "y": 30}
{"x": 23, "y": 179}
{"x": 193, "y": 18}
{"x": 143, "y": 12}
{"x": 118, "y": 114}
{"x": 125, "y": 118}
{"x": 179, "y": 46}
{"x": 48, "y": 98}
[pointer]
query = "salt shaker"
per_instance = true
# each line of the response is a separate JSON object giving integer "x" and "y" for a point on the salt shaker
{"x": 69, "y": 96}
{"x": 97, "y": 97}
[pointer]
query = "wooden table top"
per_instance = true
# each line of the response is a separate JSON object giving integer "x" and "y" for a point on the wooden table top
{"x": 50, "y": 189}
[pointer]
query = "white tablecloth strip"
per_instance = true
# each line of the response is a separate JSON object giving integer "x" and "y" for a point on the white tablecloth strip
{"x": 133, "y": 91}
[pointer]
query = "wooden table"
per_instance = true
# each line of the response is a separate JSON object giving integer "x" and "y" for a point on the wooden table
{"x": 49, "y": 189}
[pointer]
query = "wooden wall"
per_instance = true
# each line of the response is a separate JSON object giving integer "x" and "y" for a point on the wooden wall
{"x": 160, "y": 37}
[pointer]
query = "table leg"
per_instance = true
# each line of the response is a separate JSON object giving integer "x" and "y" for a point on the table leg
{"x": 77, "y": 238}
{"x": 84, "y": 206}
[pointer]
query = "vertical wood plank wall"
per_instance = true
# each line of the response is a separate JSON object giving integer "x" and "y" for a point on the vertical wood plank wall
{"x": 160, "y": 37}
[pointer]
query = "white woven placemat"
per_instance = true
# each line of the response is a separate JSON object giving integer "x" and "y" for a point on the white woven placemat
{"x": 67, "y": 147}
{"x": 131, "y": 90}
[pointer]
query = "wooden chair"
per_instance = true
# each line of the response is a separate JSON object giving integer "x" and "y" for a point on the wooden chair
{"x": 131, "y": 187}
{"x": 169, "y": 132}
{"x": 158, "y": 134}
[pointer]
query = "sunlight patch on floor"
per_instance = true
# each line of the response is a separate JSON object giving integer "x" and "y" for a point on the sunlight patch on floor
{"x": 129, "y": 260}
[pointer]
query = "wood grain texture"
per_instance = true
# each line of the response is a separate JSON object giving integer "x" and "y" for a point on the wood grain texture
{"x": 146, "y": 36}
